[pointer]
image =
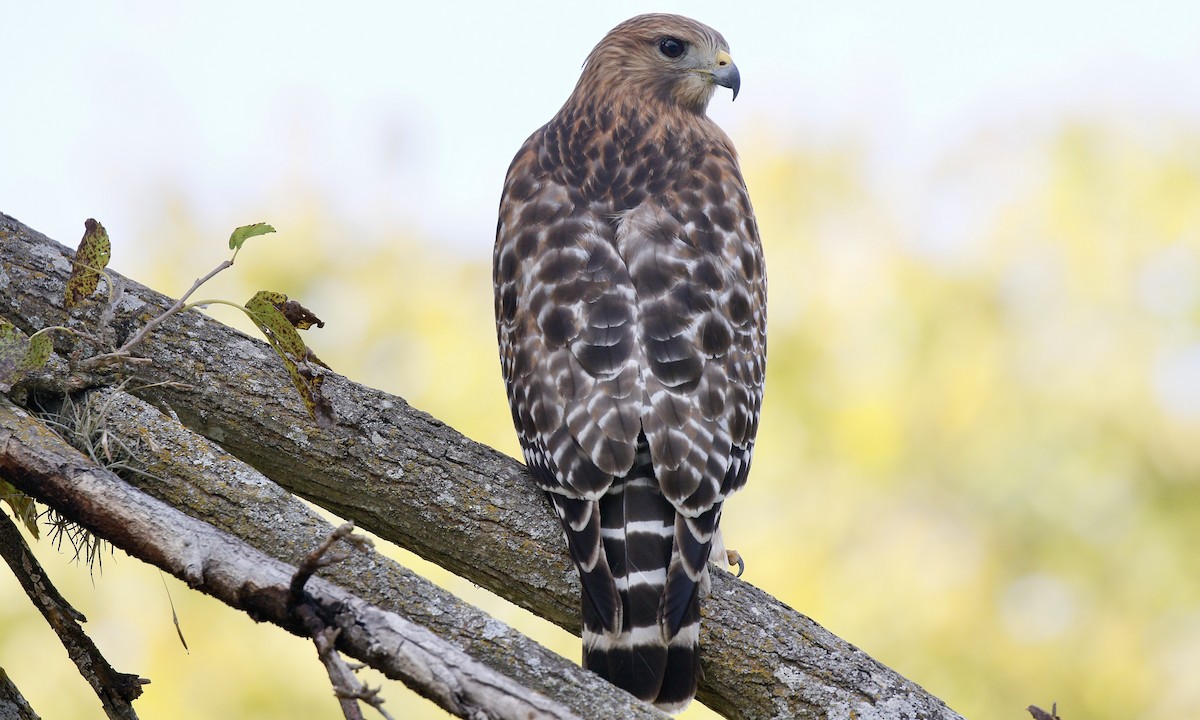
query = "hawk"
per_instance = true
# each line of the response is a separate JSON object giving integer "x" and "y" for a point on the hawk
{"x": 630, "y": 297}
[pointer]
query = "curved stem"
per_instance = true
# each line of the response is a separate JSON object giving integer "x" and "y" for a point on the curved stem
{"x": 55, "y": 327}
{"x": 178, "y": 306}
{"x": 216, "y": 301}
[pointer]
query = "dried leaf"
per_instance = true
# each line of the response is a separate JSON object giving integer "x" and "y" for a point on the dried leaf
{"x": 297, "y": 358}
{"x": 174, "y": 617}
{"x": 302, "y": 318}
{"x": 22, "y": 505}
{"x": 245, "y": 232}
{"x": 265, "y": 307}
{"x": 92, "y": 256}
{"x": 299, "y": 316}
{"x": 308, "y": 384}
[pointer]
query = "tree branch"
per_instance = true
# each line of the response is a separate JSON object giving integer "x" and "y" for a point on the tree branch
{"x": 411, "y": 479}
{"x": 41, "y": 464}
{"x": 116, "y": 690}
{"x": 346, "y": 686}
{"x": 199, "y": 478}
{"x": 13, "y": 705}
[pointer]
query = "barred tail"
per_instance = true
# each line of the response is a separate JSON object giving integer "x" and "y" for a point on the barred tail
{"x": 653, "y": 554}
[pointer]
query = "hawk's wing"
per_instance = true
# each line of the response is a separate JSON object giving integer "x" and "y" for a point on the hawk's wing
{"x": 616, "y": 320}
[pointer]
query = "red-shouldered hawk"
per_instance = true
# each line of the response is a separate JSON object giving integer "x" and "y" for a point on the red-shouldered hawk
{"x": 631, "y": 315}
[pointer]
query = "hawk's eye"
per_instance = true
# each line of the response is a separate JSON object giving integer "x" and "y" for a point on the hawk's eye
{"x": 671, "y": 47}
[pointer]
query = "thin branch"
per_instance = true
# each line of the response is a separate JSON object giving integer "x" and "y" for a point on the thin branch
{"x": 346, "y": 686}
{"x": 122, "y": 353}
{"x": 322, "y": 557}
{"x": 116, "y": 291}
{"x": 176, "y": 307}
{"x": 1040, "y": 714}
{"x": 116, "y": 690}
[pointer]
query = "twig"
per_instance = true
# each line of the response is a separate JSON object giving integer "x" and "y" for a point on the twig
{"x": 346, "y": 686}
{"x": 115, "y": 689}
{"x": 122, "y": 353}
{"x": 116, "y": 291}
{"x": 1040, "y": 714}
{"x": 321, "y": 557}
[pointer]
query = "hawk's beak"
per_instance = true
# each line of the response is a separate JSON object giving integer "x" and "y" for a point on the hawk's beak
{"x": 726, "y": 74}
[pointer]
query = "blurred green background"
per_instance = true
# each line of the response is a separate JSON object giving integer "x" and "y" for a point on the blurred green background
{"x": 979, "y": 459}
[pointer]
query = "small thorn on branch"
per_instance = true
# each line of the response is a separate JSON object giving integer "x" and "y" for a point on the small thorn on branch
{"x": 1040, "y": 714}
{"x": 322, "y": 557}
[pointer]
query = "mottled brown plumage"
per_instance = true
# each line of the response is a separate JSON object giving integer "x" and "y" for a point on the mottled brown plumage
{"x": 631, "y": 317}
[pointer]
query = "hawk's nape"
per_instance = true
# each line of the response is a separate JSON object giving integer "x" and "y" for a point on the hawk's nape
{"x": 631, "y": 316}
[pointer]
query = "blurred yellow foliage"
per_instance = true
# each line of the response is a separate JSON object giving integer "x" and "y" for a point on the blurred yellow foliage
{"x": 979, "y": 459}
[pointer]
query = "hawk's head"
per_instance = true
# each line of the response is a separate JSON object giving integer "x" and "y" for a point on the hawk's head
{"x": 660, "y": 57}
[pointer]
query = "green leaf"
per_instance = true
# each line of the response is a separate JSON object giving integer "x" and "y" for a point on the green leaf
{"x": 13, "y": 348}
{"x": 265, "y": 305}
{"x": 92, "y": 256}
{"x": 22, "y": 505}
{"x": 246, "y": 232}
{"x": 266, "y": 308}
{"x": 40, "y": 348}
{"x": 20, "y": 355}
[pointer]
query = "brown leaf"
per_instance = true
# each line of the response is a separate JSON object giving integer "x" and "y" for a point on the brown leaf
{"x": 282, "y": 335}
{"x": 299, "y": 316}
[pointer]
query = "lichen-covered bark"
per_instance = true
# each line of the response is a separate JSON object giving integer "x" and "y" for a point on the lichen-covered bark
{"x": 411, "y": 479}
{"x": 40, "y": 463}
{"x": 198, "y": 477}
{"x": 13, "y": 705}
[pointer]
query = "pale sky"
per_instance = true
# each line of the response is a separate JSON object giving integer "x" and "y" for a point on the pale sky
{"x": 412, "y": 112}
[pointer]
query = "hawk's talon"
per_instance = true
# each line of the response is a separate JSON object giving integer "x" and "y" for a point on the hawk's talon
{"x": 733, "y": 557}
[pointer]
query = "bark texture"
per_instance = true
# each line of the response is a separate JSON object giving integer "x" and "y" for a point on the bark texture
{"x": 411, "y": 479}
{"x": 40, "y": 463}
{"x": 13, "y": 705}
{"x": 196, "y": 476}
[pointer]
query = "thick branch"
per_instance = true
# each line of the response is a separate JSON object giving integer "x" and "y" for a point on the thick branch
{"x": 116, "y": 690}
{"x": 13, "y": 705}
{"x": 196, "y": 476}
{"x": 409, "y": 478}
{"x": 39, "y": 463}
